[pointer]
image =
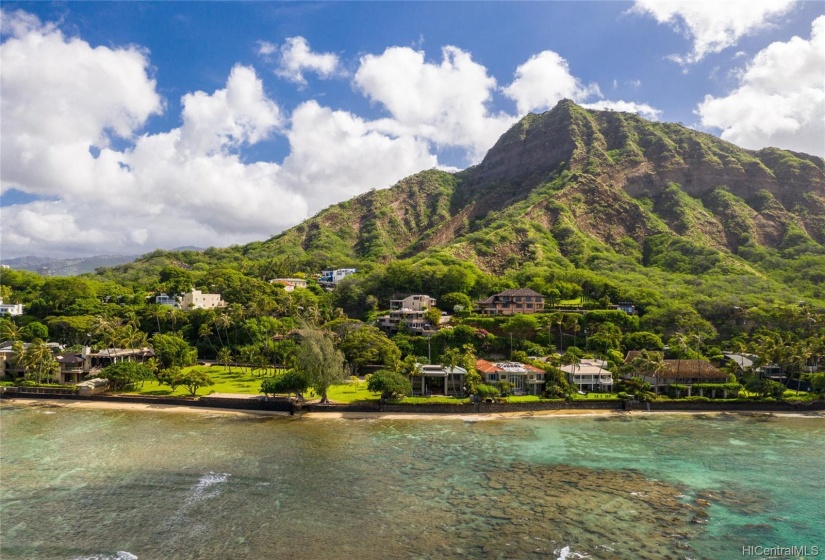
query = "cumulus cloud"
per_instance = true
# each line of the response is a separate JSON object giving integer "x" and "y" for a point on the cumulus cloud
{"x": 59, "y": 97}
{"x": 543, "y": 81}
{"x": 337, "y": 155}
{"x": 445, "y": 103}
{"x": 780, "y": 100}
{"x": 74, "y": 135}
{"x": 185, "y": 186}
{"x": 643, "y": 109}
{"x": 295, "y": 58}
{"x": 713, "y": 25}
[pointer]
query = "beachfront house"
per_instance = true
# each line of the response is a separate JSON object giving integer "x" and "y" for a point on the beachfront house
{"x": 438, "y": 380}
{"x": 590, "y": 374}
{"x": 678, "y": 372}
{"x": 524, "y": 378}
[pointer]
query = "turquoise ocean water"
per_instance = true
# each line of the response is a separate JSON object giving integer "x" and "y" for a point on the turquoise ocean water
{"x": 88, "y": 484}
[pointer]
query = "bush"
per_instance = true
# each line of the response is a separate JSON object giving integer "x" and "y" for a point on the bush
{"x": 389, "y": 383}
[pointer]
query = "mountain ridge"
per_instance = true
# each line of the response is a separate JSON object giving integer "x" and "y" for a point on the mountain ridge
{"x": 610, "y": 176}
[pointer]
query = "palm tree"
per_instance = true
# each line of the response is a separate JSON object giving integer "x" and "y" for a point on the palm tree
{"x": 39, "y": 357}
{"x": 651, "y": 363}
{"x": 9, "y": 331}
{"x": 225, "y": 358}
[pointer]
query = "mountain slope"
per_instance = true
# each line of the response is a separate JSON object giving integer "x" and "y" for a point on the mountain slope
{"x": 560, "y": 185}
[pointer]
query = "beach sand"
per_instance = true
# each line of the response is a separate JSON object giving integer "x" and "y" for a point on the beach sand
{"x": 473, "y": 417}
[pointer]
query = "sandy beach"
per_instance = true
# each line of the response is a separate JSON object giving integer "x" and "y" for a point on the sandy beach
{"x": 474, "y": 417}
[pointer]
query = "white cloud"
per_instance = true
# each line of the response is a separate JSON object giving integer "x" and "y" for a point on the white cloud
{"x": 64, "y": 101}
{"x": 713, "y": 25}
{"x": 336, "y": 155}
{"x": 59, "y": 97}
{"x": 642, "y": 109}
{"x": 445, "y": 103}
{"x": 780, "y": 100}
{"x": 185, "y": 186}
{"x": 295, "y": 58}
{"x": 239, "y": 114}
{"x": 543, "y": 81}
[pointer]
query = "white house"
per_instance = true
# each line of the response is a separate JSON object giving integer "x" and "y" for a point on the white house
{"x": 10, "y": 308}
{"x": 198, "y": 300}
{"x": 415, "y": 302}
{"x": 166, "y": 299}
{"x": 290, "y": 284}
{"x": 332, "y": 277}
{"x": 589, "y": 374}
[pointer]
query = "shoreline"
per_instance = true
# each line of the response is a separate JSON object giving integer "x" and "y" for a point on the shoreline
{"x": 345, "y": 415}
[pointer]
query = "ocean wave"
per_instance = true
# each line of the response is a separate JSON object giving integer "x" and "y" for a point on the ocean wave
{"x": 120, "y": 555}
{"x": 205, "y": 488}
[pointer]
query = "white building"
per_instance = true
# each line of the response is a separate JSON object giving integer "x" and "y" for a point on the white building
{"x": 290, "y": 284}
{"x": 165, "y": 299}
{"x": 415, "y": 302}
{"x": 334, "y": 276}
{"x": 589, "y": 374}
{"x": 10, "y": 308}
{"x": 198, "y": 300}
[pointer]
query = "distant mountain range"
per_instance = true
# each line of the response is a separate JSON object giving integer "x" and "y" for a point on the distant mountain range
{"x": 73, "y": 266}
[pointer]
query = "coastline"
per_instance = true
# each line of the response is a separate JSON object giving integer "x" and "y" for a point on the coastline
{"x": 345, "y": 415}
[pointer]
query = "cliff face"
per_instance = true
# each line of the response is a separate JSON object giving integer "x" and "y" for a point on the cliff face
{"x": 570, "y": 179}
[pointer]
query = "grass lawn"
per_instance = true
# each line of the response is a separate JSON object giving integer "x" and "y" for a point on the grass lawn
{"x": 351, "y": 392}
{"x": 238, "y": 382}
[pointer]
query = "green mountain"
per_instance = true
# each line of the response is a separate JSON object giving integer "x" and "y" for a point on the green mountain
{"x": 564, "y": 185}
{"x": 595, "y": 203}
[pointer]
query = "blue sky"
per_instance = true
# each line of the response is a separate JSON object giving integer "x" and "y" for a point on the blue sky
{"x": 134, "y": 125}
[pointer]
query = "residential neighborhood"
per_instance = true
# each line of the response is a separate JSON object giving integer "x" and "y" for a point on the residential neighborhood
{"x": 510, "y": 345}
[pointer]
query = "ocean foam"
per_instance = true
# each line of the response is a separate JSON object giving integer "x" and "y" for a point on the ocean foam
{"x": 204, "y": 488}
{"x": 120, "y": 555}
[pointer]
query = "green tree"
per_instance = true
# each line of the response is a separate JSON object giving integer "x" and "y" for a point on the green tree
{"x": 35, "y": 330}
{"x": 124, "y": 374}
{"x": 320, "y": 361}
{"x": 390, "y": 384}
{"x": 642, "y": 340}
{"x": 38, "y": 358}
{"x": 290, "y": 381}
{"x": 172, "y": 350}
{"x": 193, "y": 379}
{"x": 368, "y": 345}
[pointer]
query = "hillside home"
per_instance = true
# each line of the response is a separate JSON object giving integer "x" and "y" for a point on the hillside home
{"x": 166, "y": 299}
{"x": 290, "y": 284}
{"x": 438, "y": 380}
{"x": 510, "y": 302}
{"x": 589, "y": 374}
{"x": 680, "y": 372}
{"x": 410, "y": 320}
{"x": 407, "y": 314}
{"x": 525, "y": 379}
{"x": 414, "y": 302}
{"x": 11, "y": 309}
{"x": 329, "y": 278}
{"x": 198, "y": 300}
